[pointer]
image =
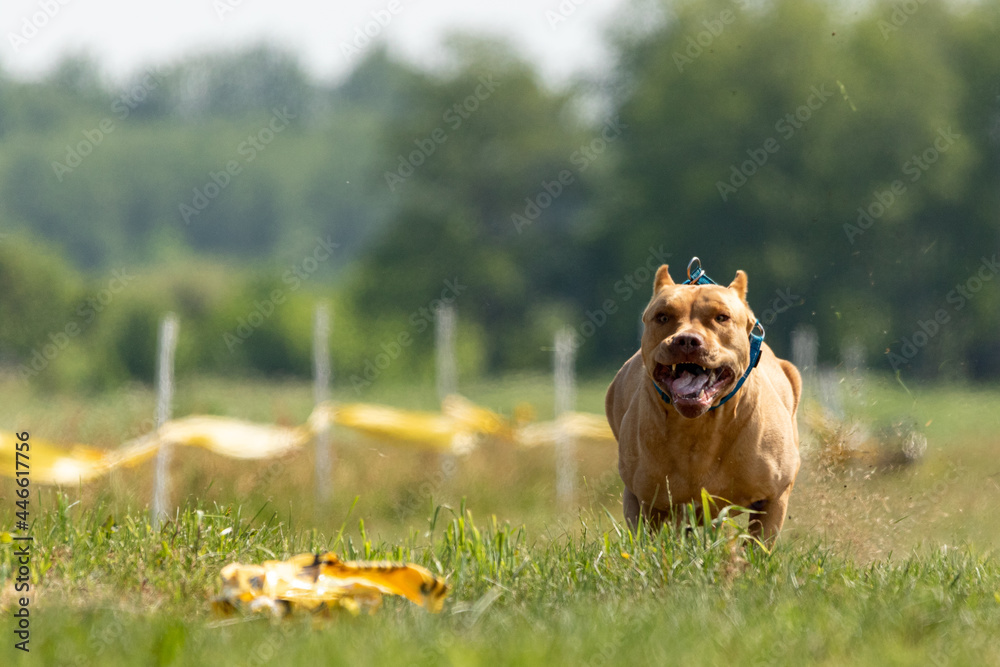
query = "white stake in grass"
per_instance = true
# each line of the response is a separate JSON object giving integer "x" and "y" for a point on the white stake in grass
{"x": 446, "y": 369}
{"x": 321, "y": 394}
{"x": 166, "y": 345}
{"x": 565, "y": 402}
{"x": 805, "y": 352}
{"x": 444, "y": 342}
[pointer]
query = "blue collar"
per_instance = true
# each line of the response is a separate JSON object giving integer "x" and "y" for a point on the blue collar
{"x": 698, "y": 277}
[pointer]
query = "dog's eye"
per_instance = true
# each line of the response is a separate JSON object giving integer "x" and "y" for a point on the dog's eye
{"x": 722, "y": 319}
{"x": 661, "y": 318}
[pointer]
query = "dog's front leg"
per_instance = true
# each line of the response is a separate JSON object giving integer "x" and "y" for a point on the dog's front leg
{"x": 766, "y": 526}
{"x": 630, "y": 508}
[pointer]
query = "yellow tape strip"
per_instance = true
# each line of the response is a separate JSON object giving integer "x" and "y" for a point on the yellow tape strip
{"x": 457, "y": 429}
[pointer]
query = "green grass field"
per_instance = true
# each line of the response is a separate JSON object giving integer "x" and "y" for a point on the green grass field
{"x": 875, "y": 566}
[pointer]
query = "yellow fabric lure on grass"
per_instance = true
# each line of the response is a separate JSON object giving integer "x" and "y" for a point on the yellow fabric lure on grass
{"x": 321, "y": 582}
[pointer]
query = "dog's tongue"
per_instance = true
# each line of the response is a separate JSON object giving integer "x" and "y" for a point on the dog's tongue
{"x": 688, "y": 383}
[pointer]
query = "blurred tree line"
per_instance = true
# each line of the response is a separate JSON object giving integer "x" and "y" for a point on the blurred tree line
{"x": 847, "y": 158}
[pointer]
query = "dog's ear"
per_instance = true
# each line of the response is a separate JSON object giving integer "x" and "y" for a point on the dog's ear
{"x": 662, "y": 279}
{"x": 740, "y": 284}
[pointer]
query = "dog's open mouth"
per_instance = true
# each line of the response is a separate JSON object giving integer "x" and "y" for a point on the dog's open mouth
{"x": 692, "y": 385}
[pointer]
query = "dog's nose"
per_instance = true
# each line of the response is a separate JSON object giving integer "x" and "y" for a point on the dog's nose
{"x": 686, "y": 342}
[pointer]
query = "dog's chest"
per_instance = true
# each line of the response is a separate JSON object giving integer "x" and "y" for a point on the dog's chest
{"x": 663, "y": 464}
{"x": 678, "y": 475}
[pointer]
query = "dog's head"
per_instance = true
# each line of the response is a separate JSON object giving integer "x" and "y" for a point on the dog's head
{"x": 695, "y": 340}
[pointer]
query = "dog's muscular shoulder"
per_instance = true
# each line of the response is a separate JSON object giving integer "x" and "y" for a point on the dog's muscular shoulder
{"x": 695, "y": 346}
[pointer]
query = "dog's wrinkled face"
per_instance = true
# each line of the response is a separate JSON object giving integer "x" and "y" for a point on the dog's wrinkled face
{"x": 695, "y": 340}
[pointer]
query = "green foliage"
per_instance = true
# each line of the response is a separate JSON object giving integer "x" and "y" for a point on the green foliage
{"x": 792, "y": 139}
{"x": 884, "y": 98}
{"x": 472, "y": 152}
{"x": 100, "y": 332}
{"x": 37, "y": 289}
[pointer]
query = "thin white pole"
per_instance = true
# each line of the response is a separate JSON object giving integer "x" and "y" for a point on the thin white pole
{"x": 321, "y": 394}
{"x": 805, "y": 352}
{"x": 444, "y": 340}
{"x": 446, "y": 370}
{"x": 166, "y": 345}
{"x": 565, "y": 402}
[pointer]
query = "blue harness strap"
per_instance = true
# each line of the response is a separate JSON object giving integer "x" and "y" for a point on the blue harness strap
{"x": 699, "y": 277}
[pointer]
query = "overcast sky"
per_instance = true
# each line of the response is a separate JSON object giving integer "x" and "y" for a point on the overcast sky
{"x": 128, "y": 35}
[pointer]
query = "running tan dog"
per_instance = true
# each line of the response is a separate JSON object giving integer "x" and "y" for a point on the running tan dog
{"x": 679, "y": 423}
